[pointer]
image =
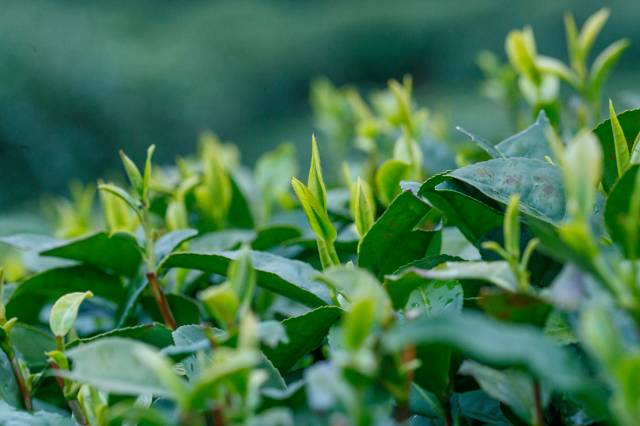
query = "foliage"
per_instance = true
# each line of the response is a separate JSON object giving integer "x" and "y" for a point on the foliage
{"x": 493, "y": 285}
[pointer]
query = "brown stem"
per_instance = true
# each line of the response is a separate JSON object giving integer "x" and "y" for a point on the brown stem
{"x": 74, "y": 405}
{"x": 446, "y": 407}
{"x": 403, "y": 411}
{"x": 22, "y": 385}
{"x": 537, "y": 398}
{"x": 218, "y": 418}
{"x": 161, "y": 301}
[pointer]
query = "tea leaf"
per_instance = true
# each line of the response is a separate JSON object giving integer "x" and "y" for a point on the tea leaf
{"x": 64, "y": 312}
{"x": 116, "y": 364}
{"x": 290, "y": 278}
{"x": 378, "y": 249}
{"x": 118, "y": 252}
{"x": 306, "y": 332}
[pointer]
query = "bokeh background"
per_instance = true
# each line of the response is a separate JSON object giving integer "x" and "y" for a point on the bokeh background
{"x": 79, "y": 80}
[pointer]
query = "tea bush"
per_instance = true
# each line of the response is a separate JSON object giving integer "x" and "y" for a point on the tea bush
{"x": 429, "y": 283}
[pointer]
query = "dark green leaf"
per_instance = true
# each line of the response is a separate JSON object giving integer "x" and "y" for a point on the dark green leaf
{"x": 495, "y": 344}
{"x": 306, "y": 332}
{"x": 622, "y": 223}
{"x": 34, "y": 293}
{"x": 290, "y": 278}
{"x": 32, "y": 344}
{"x": 171, "y": 241}
{"x": 153, "y": 334}
{"x": 455, "y": 202}
{"x": 119, "y": 252}
{"x": 393, "y": 240}
{"x": 630, "y": 123}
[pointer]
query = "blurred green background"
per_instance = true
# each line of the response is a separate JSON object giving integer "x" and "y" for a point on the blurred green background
{"x": 79, "y": 80}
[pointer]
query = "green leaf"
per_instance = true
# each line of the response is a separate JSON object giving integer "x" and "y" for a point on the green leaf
{"x": 621, "y": 213}
{"x": 172, "y": 241}
{"x": 437, "y": 298}
{"x": 378, "y": 250}
{"x": 498, "y": 273}
{"x": 553, "y": 66}
{"x": 604, "y": 62}
{"x": 122, "y": 194}
{"x": 539, "y": 184}
{"x": 454, "y": 200}
{"x": 222, "y": 302}
{"x": 630, "y": 123}
{"x": 32, "y": 344}
{"x": 316, "y": 214}
{"x": 10, "y": 416}
{"x": 358, "y": 322}
{"x": 154, "y": 334}
{"x": 289, "y": 278}
{"x": 511, "y": 387}
{"x": 590, "y": 31}
{"x": 315, "y": 182}
{"x": 404, "y": 281}
{"x": 147, "y": 173}
{"x": 513, "y": 307}
{"x": 306, "y": 332}
{"x": 64, "y": 312}
{"x": 487, "y": 146}
{"x": 117, "y": 252}
{"x": 388, "y": 178}
{"x": 240, "y": 214}
{"x": 620, "y": 144}
{"x": 582, "y": 171}
{"x": 114, "y": 364}
{"x": 34, "y": 293}
{"x": 495, "y": 344}
{"x": 530, "y": 143}
{"x": 363, "y": 207}
{"x": 9, "y": 390}
{"x": 135, "y": 178}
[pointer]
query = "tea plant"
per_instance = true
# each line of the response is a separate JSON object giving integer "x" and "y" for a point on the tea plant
{"x": 431, "y": 283}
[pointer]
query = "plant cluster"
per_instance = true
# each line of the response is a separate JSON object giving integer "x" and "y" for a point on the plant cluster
{"x": 430, "y": 284}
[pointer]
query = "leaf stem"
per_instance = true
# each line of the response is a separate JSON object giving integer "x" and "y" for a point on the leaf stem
{"x": 539, "y": 410}
{"x": 74, "y": 405}
{"x": 161, "y": 301}
{"x": 17, "y": 372}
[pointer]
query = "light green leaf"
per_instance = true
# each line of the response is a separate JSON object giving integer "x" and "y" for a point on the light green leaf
{"x": 316, "y": 214}
{"x": 590, "y": 30}
{"x": 630, "y": 123}
{"x": 512, "y": 387}
{"x": 363, "y": 207}
{"x": 115, "y": 364}
{"x": 144, "y": 193}
{"x": 388, "y": 178}
{"x": 135, "y": 178}
{"x": 619, "y": 142}
{"x": 315, "y": 182}
{"x": 64, "y": 312}
{"x": 122, "y": 194}
{"x": 10, "y": 416}
{"x": 604, "y": 62}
